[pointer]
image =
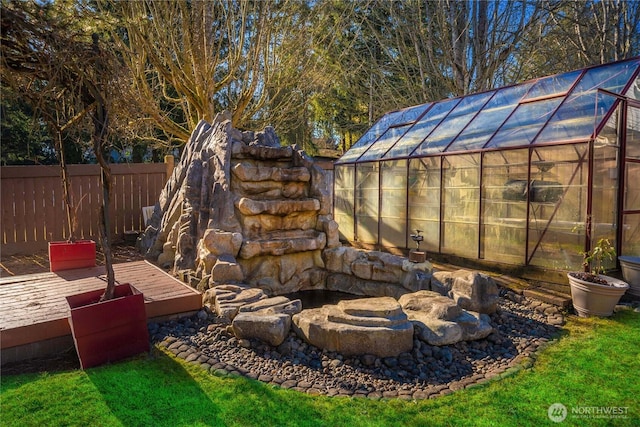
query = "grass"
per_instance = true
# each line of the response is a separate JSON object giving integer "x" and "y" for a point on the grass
{"x": 594, "y": 364}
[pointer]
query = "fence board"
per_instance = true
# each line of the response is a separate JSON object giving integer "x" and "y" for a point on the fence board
{"x": 29, "y": 210}
{"x": 33, "y": 210}
{"x": 93, "y": 203}
{"x": 8, "y": 214}
{"x": 49, "y": 208}
{"x": 59, "y": 228}
{"x": 134, "y": 223}
{"x": 38, "y": 197}
{"x": 19, "y": 219}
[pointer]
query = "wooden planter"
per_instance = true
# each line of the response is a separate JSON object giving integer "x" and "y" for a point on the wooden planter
{"x": 110, "y": 330}
{"x": 67, "y": 255}
{"x": 593, "y": 299}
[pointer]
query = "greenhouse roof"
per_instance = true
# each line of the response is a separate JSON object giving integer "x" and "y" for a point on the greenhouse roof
{"x": 565, "y": 107}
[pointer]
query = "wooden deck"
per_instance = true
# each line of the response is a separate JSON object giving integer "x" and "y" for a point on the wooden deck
{"x": 33, "y": 308}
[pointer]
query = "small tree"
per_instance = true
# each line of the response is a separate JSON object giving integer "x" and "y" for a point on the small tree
{"x": 51, "y": 55}
{"x": 594, "y": 259}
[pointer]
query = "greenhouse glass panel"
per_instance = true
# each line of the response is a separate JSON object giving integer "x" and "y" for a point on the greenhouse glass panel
{"x": 460, "y": 204}
{"x": 343, "y": 200}
{"x": 370, "y": 137}
{"x": 393, "y": 204}
{"x": 409, "y": 115}
{"x": 631, "y": 235}
{"x": 574, "y": 120}
{"x": 493, "y": 114}
{"x": 384, "y": 143}
{"x": 451, "y": 126}
{"x": 400, "y": 117}
{"x": 634, "y": 90}
{"x": 524, "y": 124}
{"x": 424, "y": 200}
{"x": 553, "y": 85}
{"x": 633, "y": 133}
{"x": 604, "y": 212}
{"x": 613, "y": 77}
{"x": 421, "y": 129}
{"x": 504, "y": 206}
{"x": 366, "y": 197}
{"x": 558, "y": 206}
{"x": 632, "y": 193}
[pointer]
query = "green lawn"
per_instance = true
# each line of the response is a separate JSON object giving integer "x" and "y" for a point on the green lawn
{"x": 595, "y": 364}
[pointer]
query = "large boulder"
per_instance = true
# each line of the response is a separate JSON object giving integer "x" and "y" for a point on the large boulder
{"x": 252, "y": 313}
{"x": 439, "y": 320}
{"x": 376, "y": 326}
{"x": 267, "y": 327}
{"x": 268, "y": 320}
{"x": 472, "y": 290}
{"x": 373, "y": 273}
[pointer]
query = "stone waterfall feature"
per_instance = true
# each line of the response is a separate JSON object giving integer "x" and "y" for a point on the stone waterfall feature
{"x": 240, "y": 208}
{"x": 250, "y": 221}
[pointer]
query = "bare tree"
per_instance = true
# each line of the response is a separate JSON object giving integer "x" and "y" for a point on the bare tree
{"x": 597, "y": 31}
{"x": 474, "y": 43}
{"x": 190, "y": 60}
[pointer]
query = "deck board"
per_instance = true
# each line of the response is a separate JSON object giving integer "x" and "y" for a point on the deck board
{"x": 33, "y": 307}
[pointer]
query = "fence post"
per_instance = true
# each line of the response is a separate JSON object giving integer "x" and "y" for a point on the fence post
{"x": 169, "y": 162}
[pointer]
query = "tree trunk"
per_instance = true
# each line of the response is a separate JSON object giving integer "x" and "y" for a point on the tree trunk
{"x": 66, "y": 185}
{"x": 100, "y": 129}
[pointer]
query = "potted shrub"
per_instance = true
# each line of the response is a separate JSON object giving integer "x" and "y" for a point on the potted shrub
{"x": 593, "y": 293}
{"x": 70, "y": 76}
{"x": 111, "y": 324}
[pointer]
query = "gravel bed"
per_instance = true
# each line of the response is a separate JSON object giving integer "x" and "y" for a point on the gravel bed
{"x": 521, "y": 326}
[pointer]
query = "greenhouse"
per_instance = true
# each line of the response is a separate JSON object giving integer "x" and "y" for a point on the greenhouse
{"x": 525, "y": 175}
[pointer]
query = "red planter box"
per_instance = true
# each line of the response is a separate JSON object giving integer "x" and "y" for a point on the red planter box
{"x": 110, "y": 330}
{"x": 67, "y": 255}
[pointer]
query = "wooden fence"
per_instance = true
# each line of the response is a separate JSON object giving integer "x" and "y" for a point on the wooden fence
{"x": 33, "y": 210}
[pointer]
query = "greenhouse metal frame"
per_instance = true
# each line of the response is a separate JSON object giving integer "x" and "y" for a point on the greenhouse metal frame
{"x": 532, "y": 174}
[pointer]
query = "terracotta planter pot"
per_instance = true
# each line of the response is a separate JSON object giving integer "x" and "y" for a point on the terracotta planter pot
{"x": 67, "y": 255}
{"x": 631, "y": 272}
{"x": 592, "y": 299}
{"x": 417, "y": 256}
{"x": 110, "y": 330}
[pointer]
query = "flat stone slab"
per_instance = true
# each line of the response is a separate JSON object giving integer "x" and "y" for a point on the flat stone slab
{"x": 226, "y": 300}
{"x": 274, "y": 305}
{"x": 374, "y": 326}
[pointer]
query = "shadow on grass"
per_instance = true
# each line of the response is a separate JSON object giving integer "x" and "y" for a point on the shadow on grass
{"x": 158, "y": 390}
{"x": 153, "y": 390}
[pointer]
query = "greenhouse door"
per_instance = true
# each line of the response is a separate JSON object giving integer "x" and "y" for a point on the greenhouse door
{"x": 630, "y": 189}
